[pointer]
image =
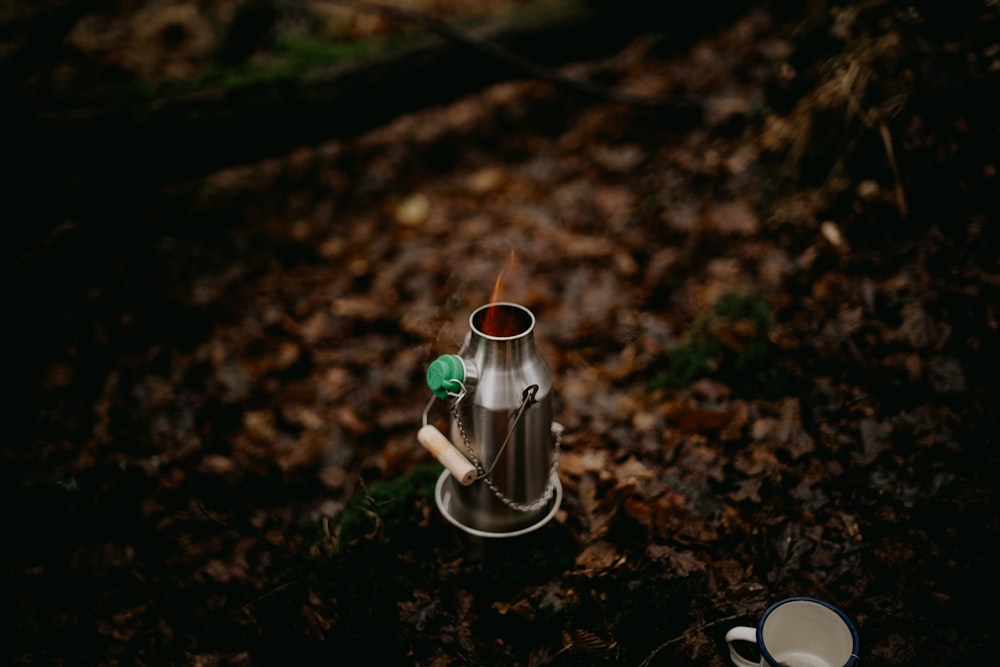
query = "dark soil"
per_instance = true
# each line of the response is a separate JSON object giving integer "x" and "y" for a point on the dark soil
{"x": 772, "y": 333}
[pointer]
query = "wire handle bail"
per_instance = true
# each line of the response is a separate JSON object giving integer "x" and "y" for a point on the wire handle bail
{"x": 527, "y": 399}
{"x": 482, "y": 473}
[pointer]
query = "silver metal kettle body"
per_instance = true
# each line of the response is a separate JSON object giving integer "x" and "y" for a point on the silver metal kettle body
{"x": 501, "y": 422}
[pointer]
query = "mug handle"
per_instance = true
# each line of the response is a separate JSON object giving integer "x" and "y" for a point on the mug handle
{"x": 744, "y": 634}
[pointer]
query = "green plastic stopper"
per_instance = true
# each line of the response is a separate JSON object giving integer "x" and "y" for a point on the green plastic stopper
{"x": 444, "y": 375}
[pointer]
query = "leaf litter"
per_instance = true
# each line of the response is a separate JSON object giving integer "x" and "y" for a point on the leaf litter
{"x": 769, "y": 339}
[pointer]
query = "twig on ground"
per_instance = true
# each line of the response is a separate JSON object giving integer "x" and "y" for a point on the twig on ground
{"x": 687, "y": 634}
{"x": 494, "y": 50}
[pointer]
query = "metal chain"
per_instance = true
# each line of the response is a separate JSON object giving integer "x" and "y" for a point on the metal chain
{"x": 543, "y": 500}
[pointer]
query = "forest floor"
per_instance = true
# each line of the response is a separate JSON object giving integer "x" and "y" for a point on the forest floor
{"x": 771, "y": 331}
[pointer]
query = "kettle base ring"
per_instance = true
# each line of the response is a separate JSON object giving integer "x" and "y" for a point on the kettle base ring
{"x": 443, "y": 498}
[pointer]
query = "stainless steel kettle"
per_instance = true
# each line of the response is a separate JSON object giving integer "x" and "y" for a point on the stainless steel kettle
{"x": 501, "y": 476}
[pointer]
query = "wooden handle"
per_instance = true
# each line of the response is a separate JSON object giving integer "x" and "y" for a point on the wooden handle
{"x": 437, "y": 444}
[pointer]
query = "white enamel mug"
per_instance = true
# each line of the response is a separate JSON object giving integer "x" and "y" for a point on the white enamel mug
{"x": 798, "y": 632}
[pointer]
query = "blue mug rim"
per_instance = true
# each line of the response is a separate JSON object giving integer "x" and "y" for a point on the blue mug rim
{"x": 856, "y": 642}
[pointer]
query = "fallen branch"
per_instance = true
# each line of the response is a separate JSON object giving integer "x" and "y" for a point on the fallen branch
{"x": 529, "y": 67}
{"x": 99, "y": 159}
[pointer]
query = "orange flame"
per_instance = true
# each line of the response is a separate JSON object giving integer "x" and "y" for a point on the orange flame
{"x": 495, "y": 297}
{"x": 495, "y": 323}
